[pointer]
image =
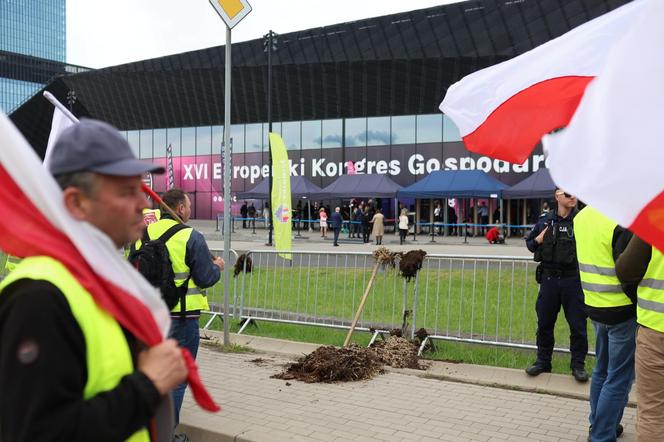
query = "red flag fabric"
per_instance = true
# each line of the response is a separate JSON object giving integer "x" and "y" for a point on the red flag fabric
{"x": 504, "y": 110}
{"x": 33, "y": 222}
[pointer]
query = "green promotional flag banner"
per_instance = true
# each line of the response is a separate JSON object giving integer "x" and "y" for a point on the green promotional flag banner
{"x": 281, "y": 196}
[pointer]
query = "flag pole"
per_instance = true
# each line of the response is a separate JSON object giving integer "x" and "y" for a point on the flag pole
{"x": 54, "y": 101}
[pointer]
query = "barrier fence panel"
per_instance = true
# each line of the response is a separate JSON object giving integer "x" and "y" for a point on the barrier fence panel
{"x": 473, "y": 299}
{"x": 322, "y": 289}
{"x": 215, "y": 294}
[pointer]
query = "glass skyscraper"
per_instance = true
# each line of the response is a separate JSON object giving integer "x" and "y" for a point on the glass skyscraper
{"x": 32, "y": 47}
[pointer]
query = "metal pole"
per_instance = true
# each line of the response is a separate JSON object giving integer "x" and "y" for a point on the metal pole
{"x": 269, "y": 126}
{"x": 227, "y": 182}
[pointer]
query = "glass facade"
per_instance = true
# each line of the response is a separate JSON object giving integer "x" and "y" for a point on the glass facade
{"x": 34, "y": 28}
{"x": 297, "y": 135}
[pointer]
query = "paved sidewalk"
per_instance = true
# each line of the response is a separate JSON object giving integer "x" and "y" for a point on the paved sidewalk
{"x": 397, "y": 406}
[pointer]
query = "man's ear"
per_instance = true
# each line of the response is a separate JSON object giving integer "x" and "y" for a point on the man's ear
{"x": 77, "y": 204}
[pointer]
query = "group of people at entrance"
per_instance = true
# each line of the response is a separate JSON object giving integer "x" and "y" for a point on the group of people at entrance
{"x": 365, "y": 221}
{"x": 591, "y": 267}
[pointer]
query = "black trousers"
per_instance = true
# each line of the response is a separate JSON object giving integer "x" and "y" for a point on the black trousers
{"x": 554, "y": 293}
{"x": 366, "y": 230}
{"x": 336, "y": 231}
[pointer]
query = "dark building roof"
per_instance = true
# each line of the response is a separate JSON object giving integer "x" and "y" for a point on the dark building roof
{"x": 397, "y": 64}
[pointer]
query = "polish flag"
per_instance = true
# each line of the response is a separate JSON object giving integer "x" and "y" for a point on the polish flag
{"x": 33, "y": 222}
{"x": 504, "y": 110}
{"x": 611, "y": 154}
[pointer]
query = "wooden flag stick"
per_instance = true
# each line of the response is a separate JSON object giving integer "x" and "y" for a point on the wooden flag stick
{"x": 361, "y": 306}
{"x": 161, "y": 202}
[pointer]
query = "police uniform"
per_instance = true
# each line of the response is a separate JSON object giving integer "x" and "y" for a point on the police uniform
{"x": 560, "y": 286}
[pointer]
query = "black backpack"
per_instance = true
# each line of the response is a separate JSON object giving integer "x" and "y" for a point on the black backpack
{"x": 154, "y": 263}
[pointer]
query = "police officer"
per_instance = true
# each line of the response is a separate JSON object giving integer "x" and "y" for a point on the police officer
{"x": 613, "y": 312}
{"x": 552, "y": 241}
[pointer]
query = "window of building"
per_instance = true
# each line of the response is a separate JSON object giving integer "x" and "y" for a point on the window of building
{"x": 237, "y": 135}
{"x": 217, "y": 139}
{"x": 188, "y": 141}
{"x": 311, "y": 134}
{"x": 173, "y": 138}
{"x": 356, "y": 132}
{"x": 450, "y": 130}
{"x": 134, "y": 139}
{"x": 430, "y": 128}
{"x": 204, "y": 140}
{"x": 254, "y": 137}
{"x": 332, "y": 133}
{"x": 403, "y": 130}
{"x": 290, "y": 133}
{"x": 159, "y": 143}
{"x": 378, "y": 131}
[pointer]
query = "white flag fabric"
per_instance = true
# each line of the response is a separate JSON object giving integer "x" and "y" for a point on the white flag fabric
{"x": 504, "y": 110}
{"x": 60, "y": 123}
{"x": 611, "y": 154}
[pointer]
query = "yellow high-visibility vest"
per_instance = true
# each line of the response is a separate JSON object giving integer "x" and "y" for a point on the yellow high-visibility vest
{"x": 650, "y": 294}
{"x": 107, "y": 353}
{"x": 594, "y": 251}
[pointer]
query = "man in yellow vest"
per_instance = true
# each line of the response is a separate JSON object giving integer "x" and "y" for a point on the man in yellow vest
{"x": 68, "y": 370}
{"x": 613, "y": 313}
{"x": 193, "y": 265}
{"x": 643, "y": 265}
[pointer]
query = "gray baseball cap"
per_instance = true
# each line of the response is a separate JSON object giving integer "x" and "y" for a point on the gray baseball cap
{"x": 95, "y": 146}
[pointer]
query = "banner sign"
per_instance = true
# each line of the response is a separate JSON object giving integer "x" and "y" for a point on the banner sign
{"x": 281, "y": 196}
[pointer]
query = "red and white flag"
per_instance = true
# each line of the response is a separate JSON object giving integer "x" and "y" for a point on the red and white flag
{"x": 504, "y": 110}
{"x": 34, "y": 222}
{"x": 611, "y": 155}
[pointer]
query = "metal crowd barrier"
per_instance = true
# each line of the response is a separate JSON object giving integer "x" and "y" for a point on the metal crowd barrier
{"x": 215, "y": 294}
{"x": 473, "y": 299}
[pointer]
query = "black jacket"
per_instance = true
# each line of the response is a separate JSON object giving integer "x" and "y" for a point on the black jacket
{"x": 41, "y": 392}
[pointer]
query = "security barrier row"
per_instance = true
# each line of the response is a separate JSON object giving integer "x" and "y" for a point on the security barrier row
{"x": 472, "y": 299}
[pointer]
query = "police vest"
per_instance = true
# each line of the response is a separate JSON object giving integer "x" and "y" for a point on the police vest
{"x": 594, "y": 251}
{"x": 650, "y": 293}
{"x": 177, "y": 250}
{"x": 558, "y": 246}
{"x": 108, "y": 357}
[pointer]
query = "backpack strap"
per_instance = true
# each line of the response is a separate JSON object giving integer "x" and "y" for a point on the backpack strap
{"x": 168, "y": 234}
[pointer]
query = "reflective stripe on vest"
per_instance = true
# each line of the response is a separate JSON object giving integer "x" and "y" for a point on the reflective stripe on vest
{"x": 177, "y": 250}
{"x": 108, "y": 357}
{"x": 12, "y": 262}
{"x": 594, "y": 251}
{"x": 650, "y": 306}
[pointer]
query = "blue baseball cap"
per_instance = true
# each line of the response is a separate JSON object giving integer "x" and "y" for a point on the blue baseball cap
{"x": 95, "y": 146}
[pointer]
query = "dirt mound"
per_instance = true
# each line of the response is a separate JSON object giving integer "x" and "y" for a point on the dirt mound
{"x": 398, "y": 352}
{"x": 243, "y": 264}
{"x": 411, "y": 263}
{"x": 332, "y": 364}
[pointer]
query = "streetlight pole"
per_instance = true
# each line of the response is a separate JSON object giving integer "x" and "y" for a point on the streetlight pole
{"x": 270, "y": 44}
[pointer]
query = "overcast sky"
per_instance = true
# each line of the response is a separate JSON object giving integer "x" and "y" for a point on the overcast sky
{"x": 105, "y": 33}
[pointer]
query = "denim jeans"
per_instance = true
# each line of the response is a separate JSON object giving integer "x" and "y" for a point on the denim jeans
{"x": 612, "y": 377}
{"x": 186, "y": 332}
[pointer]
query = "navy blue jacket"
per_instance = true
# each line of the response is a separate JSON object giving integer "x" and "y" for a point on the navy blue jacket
{"x": 335, "y": 220}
